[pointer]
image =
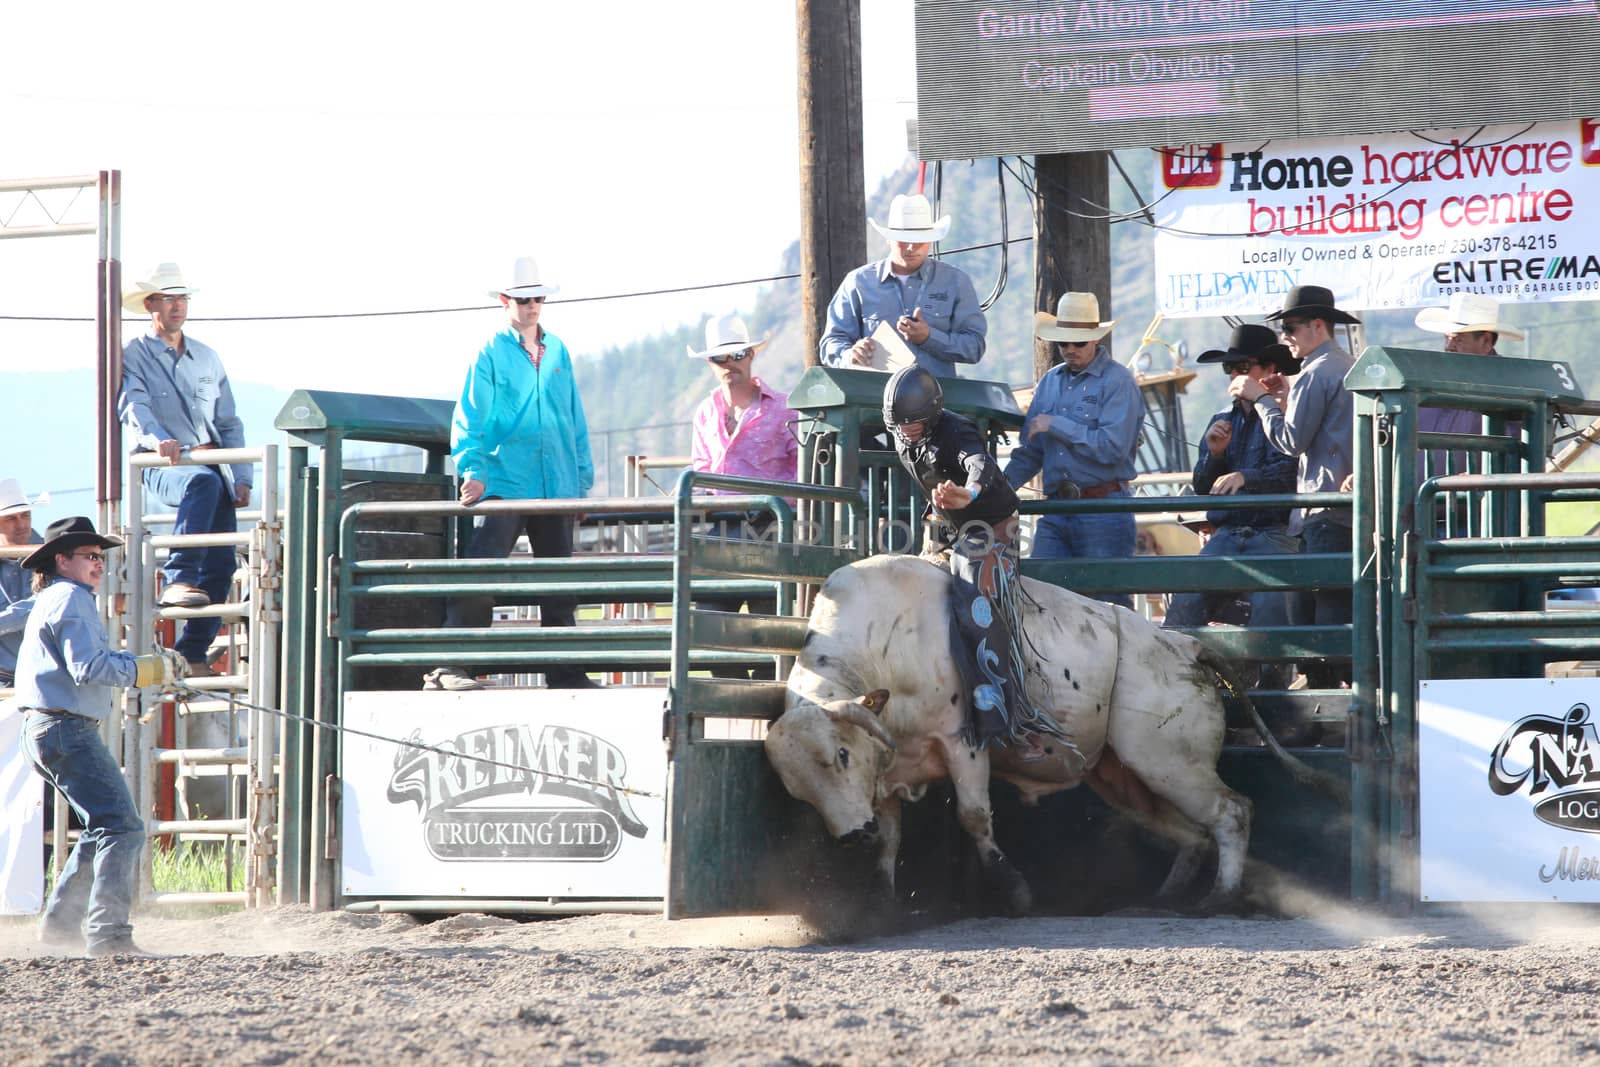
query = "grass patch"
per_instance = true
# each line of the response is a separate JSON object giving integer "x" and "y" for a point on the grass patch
{"x": 197, "y": 867}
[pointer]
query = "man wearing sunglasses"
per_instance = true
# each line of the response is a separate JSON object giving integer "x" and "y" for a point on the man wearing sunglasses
{"x": 743, "y": 428}
{"x": 519, "y": 433}
{"x": 931, "y": 304}
{"x": 176, "y": 400}
{"x": 1236, "y": 457}
{"x": 68, "y": 675}
{"x": 1082, "y": 431}
{"x": 1313, "y": 421}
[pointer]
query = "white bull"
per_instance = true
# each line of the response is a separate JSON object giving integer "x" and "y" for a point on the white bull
{"x": 875, "y": 709}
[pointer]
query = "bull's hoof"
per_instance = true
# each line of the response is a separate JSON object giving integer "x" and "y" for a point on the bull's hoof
{"x": 1215, "y": 903}
{"x": 1007, "y": 885}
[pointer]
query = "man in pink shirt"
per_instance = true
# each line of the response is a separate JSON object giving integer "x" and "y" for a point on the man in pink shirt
{"x": 743, "y": 428}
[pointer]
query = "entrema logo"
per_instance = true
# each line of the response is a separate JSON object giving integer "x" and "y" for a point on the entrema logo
{"x": 1194, "y": 166}
{"x": 1559, "y": 756}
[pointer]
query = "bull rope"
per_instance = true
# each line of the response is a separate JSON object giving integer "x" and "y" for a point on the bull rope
{"x": 188, "y": 693}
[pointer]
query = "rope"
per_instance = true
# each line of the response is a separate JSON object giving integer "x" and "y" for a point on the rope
{"x": 186, "y": 692}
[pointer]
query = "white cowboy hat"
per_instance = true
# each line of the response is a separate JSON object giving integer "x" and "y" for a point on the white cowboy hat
{"x": 1467, "y": 313}
{"x": 165, "y": 279}
{"x": 1077, "y": 318}
{"x": 12, "y": 498}
{"x": 911, "y": 219}
{"x": 525, "y": 281}
{"x": 725, "y": 334}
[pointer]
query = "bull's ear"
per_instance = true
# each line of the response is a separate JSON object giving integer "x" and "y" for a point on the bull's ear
{"x": 876, "y": 701}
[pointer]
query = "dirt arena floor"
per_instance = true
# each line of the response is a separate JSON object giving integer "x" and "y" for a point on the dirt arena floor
{"x": 1336, "y": 987}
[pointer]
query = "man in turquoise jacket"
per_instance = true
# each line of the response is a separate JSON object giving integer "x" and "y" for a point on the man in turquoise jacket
{"x": 519, "y": 434}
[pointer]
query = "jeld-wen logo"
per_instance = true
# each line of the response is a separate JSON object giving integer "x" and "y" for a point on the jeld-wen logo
{"x": 1556, "y": 756}
{"x": 556, "y": 762}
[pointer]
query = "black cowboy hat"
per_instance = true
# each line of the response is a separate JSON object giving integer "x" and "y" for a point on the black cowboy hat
{"x": 1259, "y": 343}
{"x": 66, "y": 536}
{"x": 1312, "y": 302}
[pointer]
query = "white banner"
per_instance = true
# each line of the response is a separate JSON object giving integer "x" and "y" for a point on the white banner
{"x": 1390, "y": 221}
{"x": 1510, "y": 789}
{"x": 21, "y": 822}
{"x": 559, "y": 813}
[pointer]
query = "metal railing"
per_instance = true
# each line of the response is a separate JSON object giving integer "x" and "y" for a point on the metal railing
{"x": 252, "y": 740}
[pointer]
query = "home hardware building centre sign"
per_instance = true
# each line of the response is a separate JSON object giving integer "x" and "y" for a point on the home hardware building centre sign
{"x": 1069, "y": 77}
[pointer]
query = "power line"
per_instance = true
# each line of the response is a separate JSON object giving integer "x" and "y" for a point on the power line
{"x": 486, "y": 307}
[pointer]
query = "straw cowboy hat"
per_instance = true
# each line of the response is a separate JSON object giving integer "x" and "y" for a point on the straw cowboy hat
{"x": 1077, "y": 318}
{"x": 1170, "y": 537}
{"x": 1467, "y": 313}
{"x": 1312, "y": 302}
{"x": 67, "y": 535}
{"x": 1259, "y": 343}
{"x": 165, "y": 280}
{"x": 725, "y": 334}
{"x": 12, "y": 499}
{"x": 525, "y": 281}
{"x": 911, "y": 220}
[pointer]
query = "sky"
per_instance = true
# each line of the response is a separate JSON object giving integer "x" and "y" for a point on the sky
{"x": 300, "y": 159}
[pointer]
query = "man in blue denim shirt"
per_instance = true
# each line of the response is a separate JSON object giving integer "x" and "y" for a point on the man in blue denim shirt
{"x": 1082, "y": 429}
{"x": 67, "y": 677}
{"x": 176, "y": 399}
{"x": 16, "y": 584}
{"x": 1236, "y": 457}
{"x": 931, "y": 304}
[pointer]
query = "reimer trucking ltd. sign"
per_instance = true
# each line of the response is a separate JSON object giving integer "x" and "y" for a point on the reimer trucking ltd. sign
{"x": 1398, "y": 220}
{"x": 535, "y": 793}
{"x": 1510, "y": 789}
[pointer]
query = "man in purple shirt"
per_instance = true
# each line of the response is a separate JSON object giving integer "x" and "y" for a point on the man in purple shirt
{"x": 1471, "y": 326}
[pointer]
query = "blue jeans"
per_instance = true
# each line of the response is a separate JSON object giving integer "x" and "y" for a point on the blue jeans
{"x": 1323, "y": 607}
{"x": 205, "y": 505}
{"x": 550, "y": 537}
{"x": 1268, "y": 608}
{"x": 95, "y": 890}
{"x": 1086, "y": 537}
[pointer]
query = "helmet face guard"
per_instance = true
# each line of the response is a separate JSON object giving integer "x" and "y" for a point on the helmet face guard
{"x": 912, "y": 395}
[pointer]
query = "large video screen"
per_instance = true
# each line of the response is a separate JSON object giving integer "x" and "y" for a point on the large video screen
{"x": 1005, "y": 77}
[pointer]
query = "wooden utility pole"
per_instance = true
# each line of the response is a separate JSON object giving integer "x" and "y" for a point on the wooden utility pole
{"x": 1071, "y": 254}
{"x": 833, "y": 194}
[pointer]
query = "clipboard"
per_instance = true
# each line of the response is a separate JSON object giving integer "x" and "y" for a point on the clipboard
{"x": 892, "y": 352}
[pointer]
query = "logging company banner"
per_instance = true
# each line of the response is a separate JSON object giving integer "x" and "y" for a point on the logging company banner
{"x": 1394, "y": 221}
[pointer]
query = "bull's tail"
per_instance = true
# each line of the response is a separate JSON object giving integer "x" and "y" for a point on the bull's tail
{"x": 1303, "y": 774}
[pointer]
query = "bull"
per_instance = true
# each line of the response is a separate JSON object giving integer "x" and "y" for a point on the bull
{"x": 875, "y": 711}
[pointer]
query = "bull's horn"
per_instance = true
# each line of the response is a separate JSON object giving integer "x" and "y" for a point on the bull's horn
{"x": 857, "y": 715}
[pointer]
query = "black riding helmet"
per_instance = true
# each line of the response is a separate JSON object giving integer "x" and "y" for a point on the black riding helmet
{"x": 912, "y": 395}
